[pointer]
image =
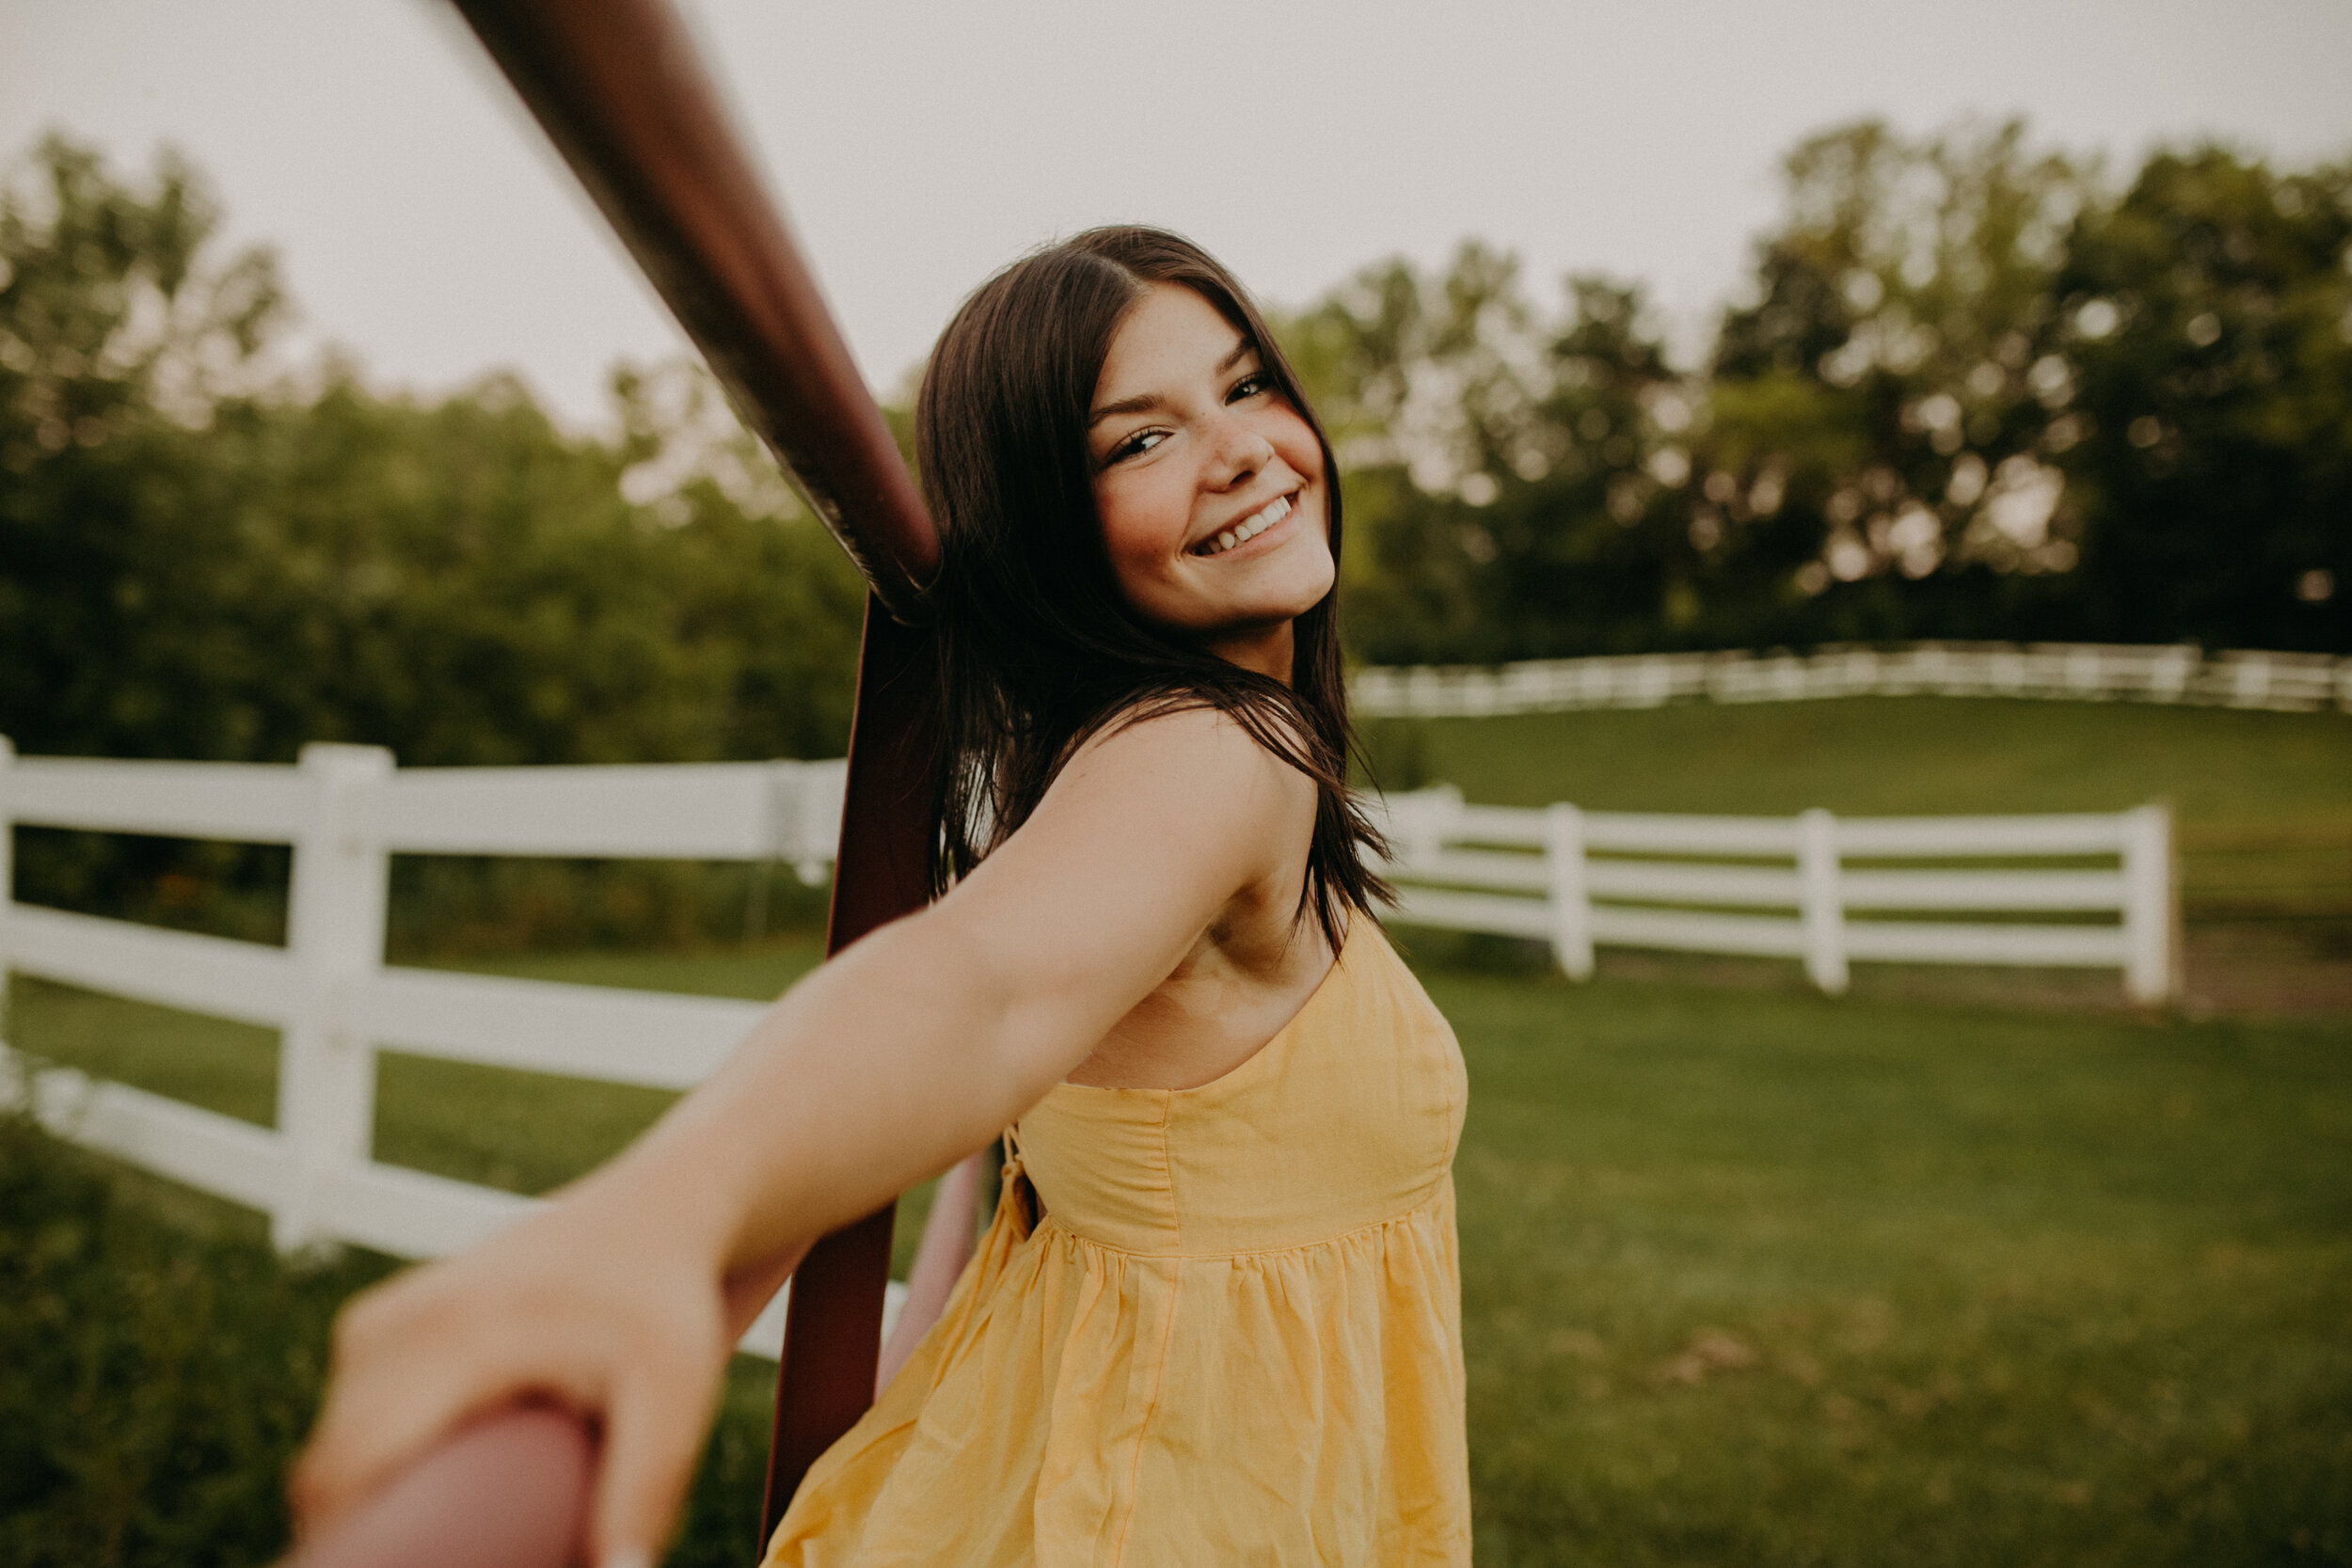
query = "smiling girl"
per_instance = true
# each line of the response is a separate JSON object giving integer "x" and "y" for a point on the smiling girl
{"x": 1215, "y": 1318}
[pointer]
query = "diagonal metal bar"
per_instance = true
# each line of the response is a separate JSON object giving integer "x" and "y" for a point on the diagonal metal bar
{"x": 619, "y": 89}
{"x": 832, "y": 1323}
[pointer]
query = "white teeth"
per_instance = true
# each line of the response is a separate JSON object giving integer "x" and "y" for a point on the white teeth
{"x": 1271, "y": 513}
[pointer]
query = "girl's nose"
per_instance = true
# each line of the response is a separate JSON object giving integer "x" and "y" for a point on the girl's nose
{"x": 1242, "y": 452}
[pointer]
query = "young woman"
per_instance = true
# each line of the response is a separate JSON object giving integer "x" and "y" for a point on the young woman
{"x": 1215, "y": 1318}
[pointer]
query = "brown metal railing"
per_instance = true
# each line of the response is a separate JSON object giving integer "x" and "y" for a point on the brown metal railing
{"x": 619, "y": 89}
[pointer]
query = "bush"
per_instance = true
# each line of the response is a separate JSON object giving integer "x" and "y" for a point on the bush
{"x": 159, "y": 1365}
{"x": 154, "y": 1380}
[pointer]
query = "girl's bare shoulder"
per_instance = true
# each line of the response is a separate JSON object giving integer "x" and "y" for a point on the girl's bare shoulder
{"x": 1203, "y": 758}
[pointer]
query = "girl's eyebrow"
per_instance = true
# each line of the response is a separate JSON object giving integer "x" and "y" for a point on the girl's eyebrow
{"x": 1144, "y": 403}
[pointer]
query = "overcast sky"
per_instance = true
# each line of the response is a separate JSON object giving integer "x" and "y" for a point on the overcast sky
{"x": 920, "y": 145}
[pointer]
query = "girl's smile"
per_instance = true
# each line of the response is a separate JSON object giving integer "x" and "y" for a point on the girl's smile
{"x": 1262, "y": 521}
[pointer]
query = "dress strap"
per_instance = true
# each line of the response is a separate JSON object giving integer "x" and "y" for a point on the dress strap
{"x": 1014, "y": 1187}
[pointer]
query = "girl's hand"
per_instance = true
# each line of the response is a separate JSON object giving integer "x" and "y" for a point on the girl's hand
{"x": 625, "y": 1324}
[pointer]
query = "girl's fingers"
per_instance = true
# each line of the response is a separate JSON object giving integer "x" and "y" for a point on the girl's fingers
{"x": 381, "y": 1411}
{"x": 653, "y": 1435}
{"x": 412, "y": 1359}
{"x": 636, "y": 1350}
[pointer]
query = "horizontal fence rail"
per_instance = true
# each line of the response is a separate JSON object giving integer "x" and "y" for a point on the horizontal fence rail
{"x": 2066, "y": 671}
{"x": 1577, "y": 879}
{"x": 1812, "y": 888}
{"x": 345, "y": 810}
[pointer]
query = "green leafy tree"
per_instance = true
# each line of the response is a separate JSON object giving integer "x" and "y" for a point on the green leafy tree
{"x": 1881, "y": 415}
{"x": 201, "y": 560}
{"x": 2208, "y": 317}
{"x": 1973, "y": 392}
{"x": 1500, "y": 495}
{"x": 1583, "y": 522}
{"x": 203, "y": 555}
{"x": 1417, "y": 379}
{"x": 117, "y": 336}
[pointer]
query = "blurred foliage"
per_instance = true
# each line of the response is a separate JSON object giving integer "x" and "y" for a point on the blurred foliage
{"x": 1971, "y": 392}
{"x": 157, "y": 1377}
{"x": 162, "y": 1365}
{"x": 1973, "y": 388}
{"x": 202, "y": 556}
{"x": 2210, "y": 318}
{"x": 199, "y": 560}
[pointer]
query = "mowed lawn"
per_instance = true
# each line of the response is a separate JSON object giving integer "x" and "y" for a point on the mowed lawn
{"x": 1774, "y": 1279}
{"x": 2262, "y": 806}
{"x": 1894, "y": 757}
{"x": 1750, "y": 1276}
{"x": 1753, "y": 1277}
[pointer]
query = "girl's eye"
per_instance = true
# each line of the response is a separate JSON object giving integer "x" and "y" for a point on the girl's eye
{"x": 1250, "y": 386}
{"x": 1134, "y": 446}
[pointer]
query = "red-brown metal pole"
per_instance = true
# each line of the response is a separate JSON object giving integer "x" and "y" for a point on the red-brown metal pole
{"x": 619, "y": 89}
{"x": 832, "y": 1323}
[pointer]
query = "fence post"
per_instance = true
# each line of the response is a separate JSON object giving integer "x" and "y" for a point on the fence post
{"x": 1435, "y": 818}
{"x": 335, "y": 932}
{"x": 1571, "y": 901}
{"x": 2150, "y": 972}
{"x": 7, "y": 883}
{"x": 1821, "y": 904}
{"x": 2252, "y": 685}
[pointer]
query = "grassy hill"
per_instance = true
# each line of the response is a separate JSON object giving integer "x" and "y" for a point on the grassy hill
{"x": 2261, "y": 801}
{"x": 1895, "y": 756}
{"x": 1749, "y": 1275}
{"x": 1749, "y": 1278}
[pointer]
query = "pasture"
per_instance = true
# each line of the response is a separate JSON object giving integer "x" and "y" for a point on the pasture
{"x": 2262, "y": 806}
{"x": 1948, "y": 1272}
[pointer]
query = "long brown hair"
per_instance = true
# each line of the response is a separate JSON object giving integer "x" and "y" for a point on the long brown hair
{"x": 1037, "y": 648}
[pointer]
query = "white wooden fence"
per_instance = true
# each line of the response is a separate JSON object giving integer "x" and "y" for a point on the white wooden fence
{"x": 1569, "y": 878}
{"x": 1582, "y": 879}
{"x": 345, "y": 811}
{"x": 2077, "y": 671}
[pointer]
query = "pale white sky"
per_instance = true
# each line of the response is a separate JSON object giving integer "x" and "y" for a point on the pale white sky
{"x": 920, "y": 145}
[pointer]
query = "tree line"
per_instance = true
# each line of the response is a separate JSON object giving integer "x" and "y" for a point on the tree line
{"x": 206, "y": 554}
{"x": 1972, "y": 388}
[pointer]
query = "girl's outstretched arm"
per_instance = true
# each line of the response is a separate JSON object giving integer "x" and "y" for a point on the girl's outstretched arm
{"x": 899, "y": 1056}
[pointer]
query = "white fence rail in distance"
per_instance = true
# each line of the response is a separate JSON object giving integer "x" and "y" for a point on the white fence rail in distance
{"x": 1836, "y": 888}
{"x": 2181, "y": 673}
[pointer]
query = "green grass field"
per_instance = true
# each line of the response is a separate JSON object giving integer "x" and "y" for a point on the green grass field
{"x": 1894, "y": 757}
{"x": 1751, "y": 1276}
{"x": 1774, "y": 1279}
{"x": 2261, "y": 805}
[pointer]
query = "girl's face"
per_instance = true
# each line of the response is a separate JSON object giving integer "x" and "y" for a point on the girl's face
{"x": 1210, "y": 486}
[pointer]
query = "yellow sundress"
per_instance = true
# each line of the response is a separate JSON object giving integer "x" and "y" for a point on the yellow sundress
{"x": 1217, "y": 1325}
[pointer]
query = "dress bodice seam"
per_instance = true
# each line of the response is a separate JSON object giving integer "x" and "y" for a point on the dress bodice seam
{"x": 1168, "y": 1168}
{"x": 1421, "y": 1209}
